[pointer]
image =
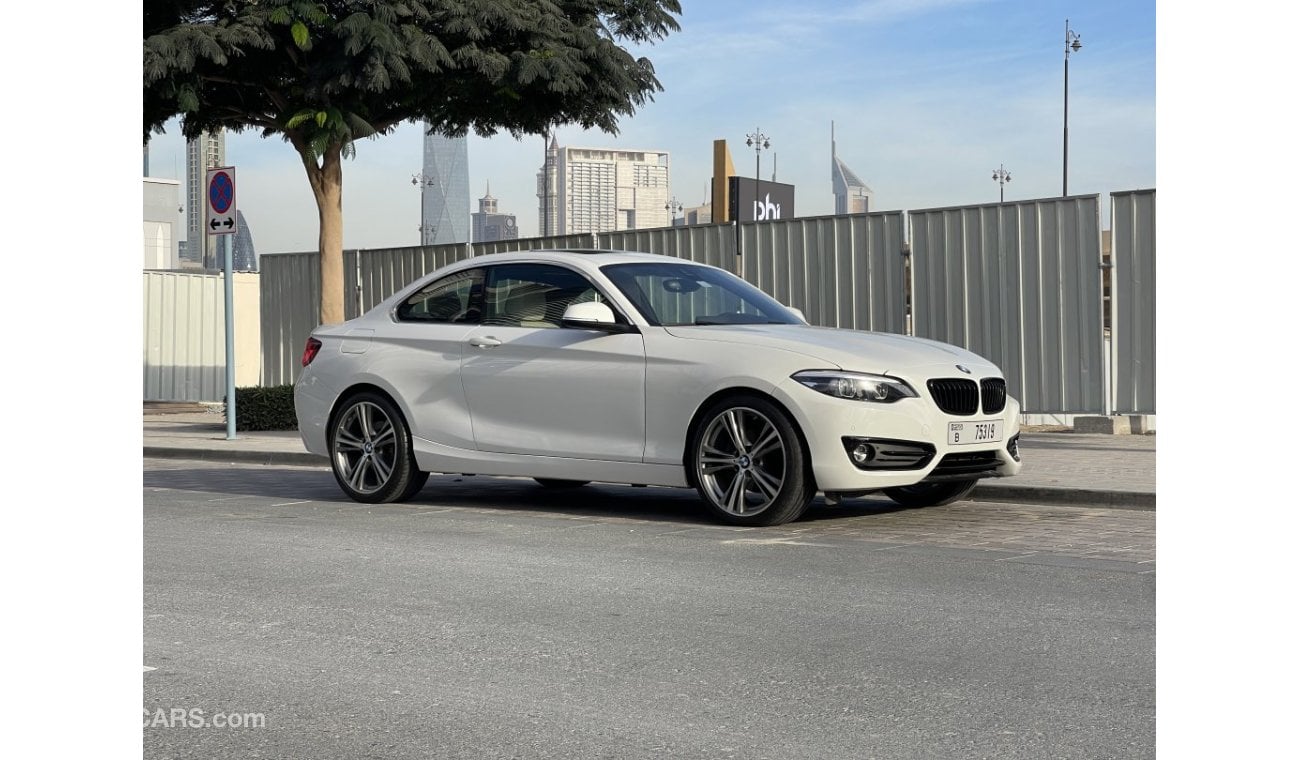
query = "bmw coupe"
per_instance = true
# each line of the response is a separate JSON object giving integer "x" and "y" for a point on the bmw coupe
{"x": 577, "y": 366}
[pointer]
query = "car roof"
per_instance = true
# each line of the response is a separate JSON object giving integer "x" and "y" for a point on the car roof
{"x": 589, "y": 256}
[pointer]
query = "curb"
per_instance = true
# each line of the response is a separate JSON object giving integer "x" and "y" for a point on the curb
{"x": 235, "y": 455}
{"x": 1076, "y": 497}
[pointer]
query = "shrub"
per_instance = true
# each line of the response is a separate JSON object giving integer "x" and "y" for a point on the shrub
{"x": 263, "y": 408}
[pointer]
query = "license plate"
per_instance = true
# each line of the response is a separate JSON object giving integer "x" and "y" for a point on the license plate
{"x": 960, "y": 433}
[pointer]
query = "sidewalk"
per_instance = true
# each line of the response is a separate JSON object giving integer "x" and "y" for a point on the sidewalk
{"x": 1116, "y": 471}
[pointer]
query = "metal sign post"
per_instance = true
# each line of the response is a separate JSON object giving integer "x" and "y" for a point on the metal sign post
{"x": 222, "y": 221}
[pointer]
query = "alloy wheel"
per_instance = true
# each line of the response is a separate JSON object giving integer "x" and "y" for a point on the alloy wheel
{"x": 365, "y": 447}
{"x": 741, "y": 461}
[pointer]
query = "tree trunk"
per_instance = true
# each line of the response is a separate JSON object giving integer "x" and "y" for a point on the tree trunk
{"x": 326, "y": 178}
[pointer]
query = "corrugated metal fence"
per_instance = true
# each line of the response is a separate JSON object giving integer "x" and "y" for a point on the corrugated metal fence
{"x": 841, "y": 271}
{"x": 291, "y": 310}
{"x": 1019, "y": 283}
{"x": 184, "y": 337}
{"x": 1133, "y": 301}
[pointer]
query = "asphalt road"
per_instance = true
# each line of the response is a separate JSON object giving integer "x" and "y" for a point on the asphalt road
{"x": 491, "y": 619}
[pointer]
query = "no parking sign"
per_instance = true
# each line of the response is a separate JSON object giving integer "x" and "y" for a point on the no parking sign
{"x": 221, "y": 201}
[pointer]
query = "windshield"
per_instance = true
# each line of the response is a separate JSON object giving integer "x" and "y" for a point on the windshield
{"x": 671, "y": 294}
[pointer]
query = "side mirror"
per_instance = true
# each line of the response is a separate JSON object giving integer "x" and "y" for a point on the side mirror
{"x": 798, "y": 313}
{"x": 590, "y": 315}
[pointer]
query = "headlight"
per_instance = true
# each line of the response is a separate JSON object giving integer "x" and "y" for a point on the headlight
{"x": 857, "y": 386}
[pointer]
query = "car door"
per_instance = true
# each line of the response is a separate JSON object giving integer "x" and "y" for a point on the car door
{"x": 423, "y": 364}
{"x": 535, "y": 387}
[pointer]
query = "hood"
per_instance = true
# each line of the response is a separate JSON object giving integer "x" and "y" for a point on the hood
{"x": 853, "y": 350}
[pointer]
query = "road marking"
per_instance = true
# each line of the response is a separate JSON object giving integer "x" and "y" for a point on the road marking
{"x": 147, "y": 668}
{"x": 771, "y": 542}
{"x": 290, "y": 503}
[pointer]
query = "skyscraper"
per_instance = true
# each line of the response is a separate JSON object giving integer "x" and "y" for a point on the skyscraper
{"x": 205, "y": 152}
{"x": 490, "y": 225}
{"x": 852, "y": 196}
{"x": 444, "y": 191}
{"x": 548, "y": 205}
{"x": 244, "y": 255}
{"x": 606, "y": 189}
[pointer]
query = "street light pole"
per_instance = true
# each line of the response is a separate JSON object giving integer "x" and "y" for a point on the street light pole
{"x": 673, "y": 207}
{"x": 1002, "y": 177}
{"x": 1072, "y": 44}
{"x": 422, "y": 181}
{"x": 758, "y": 141}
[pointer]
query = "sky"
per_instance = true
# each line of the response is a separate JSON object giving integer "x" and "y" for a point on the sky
{"x": 928, "y": 97}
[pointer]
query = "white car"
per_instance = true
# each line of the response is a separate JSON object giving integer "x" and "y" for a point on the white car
{"x": 579, "y": 366}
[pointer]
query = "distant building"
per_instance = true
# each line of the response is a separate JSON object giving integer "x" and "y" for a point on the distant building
{"x": 183, "y": 260}
{"x": 852, "y": 196}
{"x": 490, "y": 225}
{"x": 548, "y": 211}
{"x": 696, "y": 215}
{"x": 162, "y": 215}
{"x": 602, "y": 190}
{"x": 207, "y": 151}
{"x": 444, "y": 191}
{"x": 245, "y": 256}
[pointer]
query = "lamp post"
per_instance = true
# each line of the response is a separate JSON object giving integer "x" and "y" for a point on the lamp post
{"x": 1072, "y": 44}
{"x": 422, "y": 181}
{"x": 673, "y": 207}
{"x": 1002, "y": 177}
{"x": 758, "y": 141}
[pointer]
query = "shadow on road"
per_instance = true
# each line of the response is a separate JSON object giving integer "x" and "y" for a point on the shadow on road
{"x": 487, "y": 493}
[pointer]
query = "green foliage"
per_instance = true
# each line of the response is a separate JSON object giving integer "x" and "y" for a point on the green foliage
{"x": 363, "y": 67}
{"x": 269, "y": 408}
{"x": 323, "y": 74}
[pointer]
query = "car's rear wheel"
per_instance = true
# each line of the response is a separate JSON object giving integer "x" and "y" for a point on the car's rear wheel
{"x": 370, "y": 451}
{"x": 749, "y": 464}
{"x": 557, "y": 484}
{"x": 931, "y": 494}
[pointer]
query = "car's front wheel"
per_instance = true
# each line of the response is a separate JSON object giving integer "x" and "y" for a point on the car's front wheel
{"x": 931, "y": 494}
{"x": 370, "y": 451}
{"x": 749, "y": 463}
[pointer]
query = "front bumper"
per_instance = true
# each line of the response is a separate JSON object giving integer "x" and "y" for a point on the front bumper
{"x": 830, "y": 424}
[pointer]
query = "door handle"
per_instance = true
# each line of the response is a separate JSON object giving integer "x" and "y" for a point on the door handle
{"x": 485, "y": 341}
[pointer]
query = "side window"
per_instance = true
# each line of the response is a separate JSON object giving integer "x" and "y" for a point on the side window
{"x": 454, "y": 299}
{"x": 533, "y": 295}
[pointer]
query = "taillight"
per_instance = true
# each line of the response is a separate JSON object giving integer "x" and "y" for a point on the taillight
{"x": 310, "y": 351}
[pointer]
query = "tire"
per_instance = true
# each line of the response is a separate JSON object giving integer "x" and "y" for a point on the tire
{"x": 370, "y": 451}
{"x": 749, "y": 464}
{"x": 557, "y": 484}
{"x": 416, "y": 485}
{"x": 931, "y": 494}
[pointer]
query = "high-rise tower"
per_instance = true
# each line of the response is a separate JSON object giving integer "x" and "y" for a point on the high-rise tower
{"x": 245, "y": 255}
{"x": 207, "y": 151}
{"x": 548, "y": 211}
{"x": 852, "y": 196}
{"x": 444, "y": 191}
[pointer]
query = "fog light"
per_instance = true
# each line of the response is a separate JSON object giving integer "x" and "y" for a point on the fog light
{"x": 1013, "y": 447}
{"x": 862, "y": 453}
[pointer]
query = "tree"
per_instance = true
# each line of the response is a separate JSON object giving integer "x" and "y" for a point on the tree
{"x": 325, "y": 73}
